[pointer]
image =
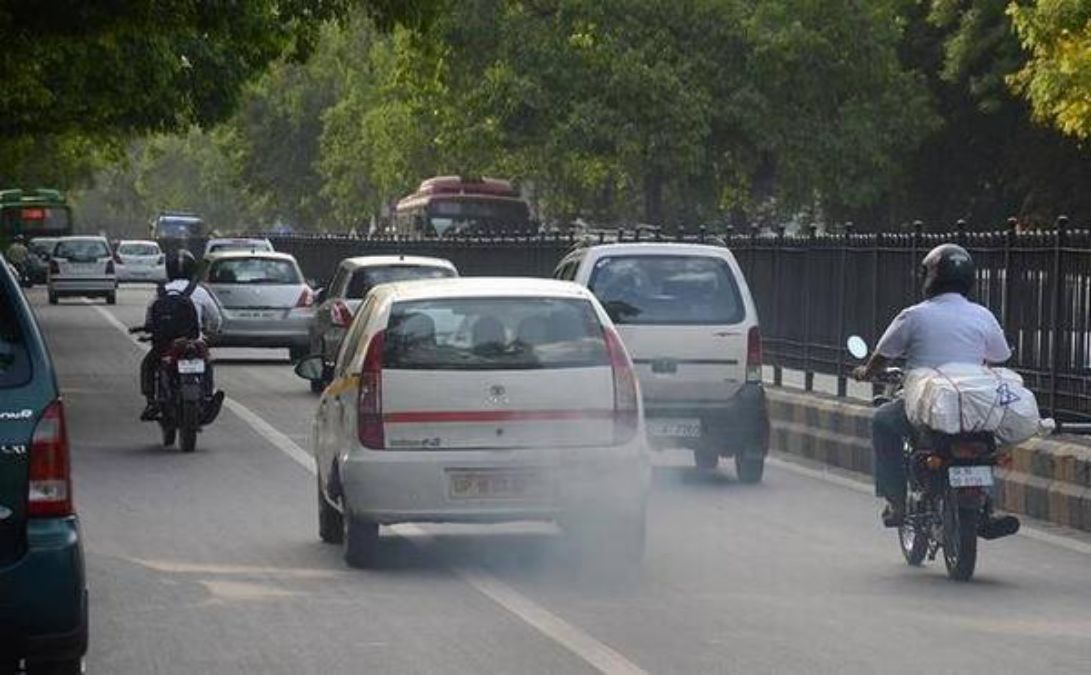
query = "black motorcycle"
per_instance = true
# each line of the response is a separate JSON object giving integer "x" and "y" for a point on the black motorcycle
{"x": 183, "y": 390}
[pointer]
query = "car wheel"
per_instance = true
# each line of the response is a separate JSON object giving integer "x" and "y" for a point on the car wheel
{"x": 63, "y": 667}
{"x": 331, "y": 529}
{"x": 360, "y": 541}
{"x": 706, "y": 459}
{"x": 749, "y": 469}
{"x": 297, "y": 354}
{"x": 318, "y": 386}
{"x": 52, "y": 298}
{"x": 111, "y": 298}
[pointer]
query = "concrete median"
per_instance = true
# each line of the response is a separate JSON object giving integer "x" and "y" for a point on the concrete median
{"x": 1049, "y": 479}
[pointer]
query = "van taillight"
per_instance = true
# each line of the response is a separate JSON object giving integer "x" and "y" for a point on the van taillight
{"x": 340, "y": 314}
{"x": 626, "y": 393}
{"x": 369, "y": 406}
{"x": 50, "y": 482}
{"x": 753, "y": 355}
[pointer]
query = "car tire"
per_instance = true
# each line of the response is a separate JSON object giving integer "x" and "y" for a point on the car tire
{"x": 111, "y": 298}
{"x": 360, "y": 541}
{"x": 62, "y": 667}
{"x": 749, "y": 470}
{"x": 297, "y": 354}
{"x": 318, "y": 386}
{"x": 331, "y": 529}
{"x": 52, "y": 298}
{"x": 706, "y": 460}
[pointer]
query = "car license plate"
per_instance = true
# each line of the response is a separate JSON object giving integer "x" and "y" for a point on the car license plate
{"x": 497, "y": 484}
{"x": 191, "y": 366}
{"x": 970, "y": 476}
{"x": 257, "y": 314}
{"x": 675, "y": 428}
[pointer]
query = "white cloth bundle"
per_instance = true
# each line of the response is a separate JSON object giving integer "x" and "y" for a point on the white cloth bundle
{"x": 960, "y": 398}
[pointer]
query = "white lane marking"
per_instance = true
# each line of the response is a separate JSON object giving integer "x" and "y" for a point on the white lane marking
{"x": 862, "y": 485}
{"x": 598, "y": 655}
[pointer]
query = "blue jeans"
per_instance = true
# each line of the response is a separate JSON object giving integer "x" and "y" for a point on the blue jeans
{"x": 889, "y": 429}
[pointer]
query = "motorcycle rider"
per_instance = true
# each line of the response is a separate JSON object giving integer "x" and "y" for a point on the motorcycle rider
{"x": 946, "y": 328}
{"x": 181, "y": 274}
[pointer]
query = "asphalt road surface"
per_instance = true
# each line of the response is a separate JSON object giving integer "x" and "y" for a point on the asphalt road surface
{"x": 211, "y": 563}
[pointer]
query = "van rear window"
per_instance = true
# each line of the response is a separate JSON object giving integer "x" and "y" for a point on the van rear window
{"x": 14, "y": 360}
{"x": 494, "y": 334}
{"x": 366, "y": 278}
{"x": 667, "y": 290}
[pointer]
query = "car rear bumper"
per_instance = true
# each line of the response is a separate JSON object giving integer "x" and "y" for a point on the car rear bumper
{"x": 129, "y": 273}
{"x": 43, "y": 596}
{"x": 79, "y": 286}
{"x": 290, "y": 332}
{"x": 738, "y": 425}
{"x": 415, "y": 486}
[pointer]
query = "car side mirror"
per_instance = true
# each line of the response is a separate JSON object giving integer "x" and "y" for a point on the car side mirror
{"x": 311, "y": 367}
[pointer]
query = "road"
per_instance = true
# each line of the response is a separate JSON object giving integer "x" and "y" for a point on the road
{"x": 210, "y": 563}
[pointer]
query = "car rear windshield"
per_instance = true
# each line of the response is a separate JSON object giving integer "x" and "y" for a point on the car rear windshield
{"x": 239, "y": 246}
{"x": 81, "y": 249}
{"x": 494, "y": 334}
{"x": 667, "y": 290}
{"x": 138, "y": 249}
{"x": 14, "y": 359}
{"x": 364, "y": 279}
{"x": 254, "y": 271}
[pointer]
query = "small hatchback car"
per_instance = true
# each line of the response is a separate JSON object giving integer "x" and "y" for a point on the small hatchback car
{"x": 138, "y": 260}
{"x": 686, "y": 315}
{"x": 43, "y": 596}
{"x": 481, "y": 400}
{"x": 82, "y": 266}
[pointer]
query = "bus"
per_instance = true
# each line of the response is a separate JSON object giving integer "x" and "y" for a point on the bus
{"x": 447, "y": 206}
{"x": 34, "y": 213}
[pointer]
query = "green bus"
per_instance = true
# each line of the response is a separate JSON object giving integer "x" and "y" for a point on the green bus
{"x": 34, "y": 213}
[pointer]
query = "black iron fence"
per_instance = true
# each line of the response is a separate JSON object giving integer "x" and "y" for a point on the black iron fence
{"x": 813, "y": 291}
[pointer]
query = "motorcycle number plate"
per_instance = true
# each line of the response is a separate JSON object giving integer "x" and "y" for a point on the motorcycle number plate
{"x": 191, "y": 366}
{"x": 970, "y": 476}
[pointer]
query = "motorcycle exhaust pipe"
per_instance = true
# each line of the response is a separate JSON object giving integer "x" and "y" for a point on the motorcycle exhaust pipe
{"x": 995, "y": 528}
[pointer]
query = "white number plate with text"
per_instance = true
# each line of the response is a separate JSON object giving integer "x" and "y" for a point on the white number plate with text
{"x": 675, "y": 428}
{"x": 191, "y": 366}
{"x": 970, "y": 476}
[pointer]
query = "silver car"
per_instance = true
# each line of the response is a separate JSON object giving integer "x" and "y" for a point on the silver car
{"x": 82, "y": 266}
{"x": 140, "y": 260}
{"x": 354, "y": 278}
{"x": 263, "y": 298}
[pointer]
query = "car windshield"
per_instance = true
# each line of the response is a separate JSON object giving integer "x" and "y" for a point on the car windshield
{"x": 14, "y": 359}
{"x": 667, "y": 290}
{"x": 364, "y": 279}
{"x": 494, "y": 334}
{"x": 138, "y": 249}
{"x": 81, "y": 249}
{"x": 254, "y": 271}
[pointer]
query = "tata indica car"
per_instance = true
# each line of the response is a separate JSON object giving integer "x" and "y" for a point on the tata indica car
{"x": 337, "y": 303}
{"x": 82, "y": 267}
{"x": 481, "y": 400}
{"x": 686, "y": 315}
{"x": 263, "y": 299}
{"x": 43, "y": 594}
{"x": 138, "y": 260}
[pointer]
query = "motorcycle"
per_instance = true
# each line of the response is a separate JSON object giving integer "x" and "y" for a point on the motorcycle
{"x": 948, "y": 502}
{"x": 183, "y": 390}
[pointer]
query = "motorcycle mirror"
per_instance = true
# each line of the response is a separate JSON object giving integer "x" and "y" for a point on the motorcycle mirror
{"x": 857, "y": 347}
{"x": 310, "y": 367}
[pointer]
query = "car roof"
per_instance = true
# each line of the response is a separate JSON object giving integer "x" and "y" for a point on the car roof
{"x": 83, "y": 237}
{"x": 358, "y": 262}
{"x": 656, "y": 248}
{"x": 236, "y": 254}
{"x": 137, "y": 241}
{"x": 482, "y": 287}
{"x": 238, "y": 240}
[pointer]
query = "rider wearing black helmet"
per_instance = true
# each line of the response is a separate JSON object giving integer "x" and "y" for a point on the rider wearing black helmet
{"x": 182, "y": 278}
{"x": 946, "y": 328}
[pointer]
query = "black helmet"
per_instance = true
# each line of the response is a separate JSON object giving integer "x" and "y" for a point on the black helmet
{"x": 181, "y": 265}
{"x": 947, "y": 268}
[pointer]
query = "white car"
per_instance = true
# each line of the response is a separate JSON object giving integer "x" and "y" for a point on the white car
{"x": 481, "y": 400}
{"x": 252, "y": 244}
{"x": 687, "y": 317}
{"x": 82, "y": 267}
{"x": 140, "y": 260}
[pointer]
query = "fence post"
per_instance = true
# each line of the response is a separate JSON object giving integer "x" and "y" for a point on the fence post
{"x": 778, "y": 372}
{"x": 808, "y": 373}
{"x": 1005, "y": 300}
{"x": 876, "y": 329}
{"x": 1058, "y": 299}
{"x": 842, "y": 273}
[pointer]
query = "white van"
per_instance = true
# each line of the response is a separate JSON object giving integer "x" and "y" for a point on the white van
{"x": 687, "y": 318}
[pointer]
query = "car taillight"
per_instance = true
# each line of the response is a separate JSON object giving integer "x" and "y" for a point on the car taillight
{"x": 306, "y": 298}
{"x": 626, "y": 393}
{"x": 340, "y": 314}
{"x": 369, "y": 405}
{"x": 110, "y": 267}
{"x": 50, "y": 482}
{"x": 753, "y": 355}
{"x": 54, "y": 268}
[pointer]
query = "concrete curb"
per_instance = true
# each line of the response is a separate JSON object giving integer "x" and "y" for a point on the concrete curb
{"x": 1049, "y": 479}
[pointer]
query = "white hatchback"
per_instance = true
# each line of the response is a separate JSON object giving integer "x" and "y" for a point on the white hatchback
{"x": 140, "y": 260}
{"x": 480, "y": 400}
{"x": 82, "y": 267}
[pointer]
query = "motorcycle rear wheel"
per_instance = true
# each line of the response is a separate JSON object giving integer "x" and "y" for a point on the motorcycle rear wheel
{"x": 960, "y": 540}
{"x": 190, "y": 423}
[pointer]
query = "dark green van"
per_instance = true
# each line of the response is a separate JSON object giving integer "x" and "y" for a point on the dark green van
{"x": 43, "y": 594}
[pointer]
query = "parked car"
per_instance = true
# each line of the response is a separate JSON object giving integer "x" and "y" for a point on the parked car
{"x": 82, "y": 267}
{"x": 337, "y": 303}
{"x": 687, "y": 317}
{"x": 221, "y": 245}
{"x": 263, "y": 298}
{"x": 140, "y": 260}
{"x": 43, "y": 592}
{"x": 481, "y": 400}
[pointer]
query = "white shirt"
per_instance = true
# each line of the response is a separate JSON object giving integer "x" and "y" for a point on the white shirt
{"x": 208, "y": 312}
{"x": 945, "y": 329}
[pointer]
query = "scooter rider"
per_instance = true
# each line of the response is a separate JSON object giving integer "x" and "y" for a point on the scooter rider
{"x": 945, "y": 328}
{"x": 181, "y": 275}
